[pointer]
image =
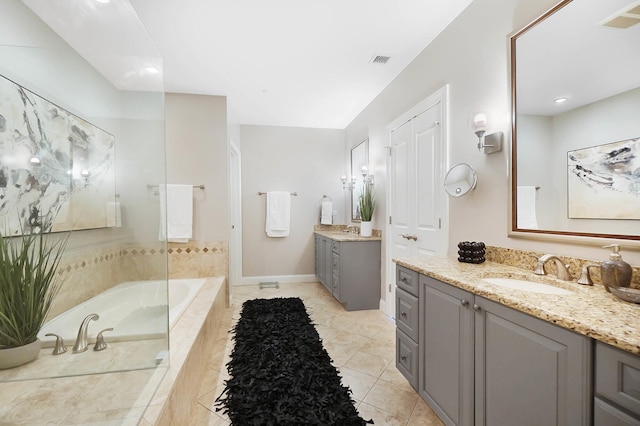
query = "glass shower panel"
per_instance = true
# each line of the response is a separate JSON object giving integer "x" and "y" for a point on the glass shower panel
{"x": 100, "y": 137}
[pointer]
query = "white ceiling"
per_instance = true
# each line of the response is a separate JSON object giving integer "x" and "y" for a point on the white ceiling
{"x": 300, "y": 63}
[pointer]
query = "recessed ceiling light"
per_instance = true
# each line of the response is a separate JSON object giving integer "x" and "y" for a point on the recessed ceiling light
{"x": 103, "y": 1}
{"x": 150, "y": 70}
{"x": 560, "y": 100}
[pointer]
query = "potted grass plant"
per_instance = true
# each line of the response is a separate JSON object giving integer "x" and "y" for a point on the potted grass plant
{"x": 28, "y": 285}
{"x": 367, "y": 206}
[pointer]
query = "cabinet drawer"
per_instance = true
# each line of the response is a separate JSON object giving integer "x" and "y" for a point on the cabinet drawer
{"x": 407, "y": 357}
{"x": 407, "y": 280}
{"x": 618, "y": 377}
{"x": 407, "y": 313}
{"x": 335, "y": 246}
{"x": 607, "y": 415}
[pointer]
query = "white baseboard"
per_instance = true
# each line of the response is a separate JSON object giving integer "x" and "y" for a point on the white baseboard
{"x": 308, "y": 278}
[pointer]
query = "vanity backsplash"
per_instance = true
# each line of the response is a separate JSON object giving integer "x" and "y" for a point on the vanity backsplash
{"x": 527, "y": 260}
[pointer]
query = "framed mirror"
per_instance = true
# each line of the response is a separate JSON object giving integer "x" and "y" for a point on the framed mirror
{"x": 359, "y": 158}
{"x": 576, "y": 133}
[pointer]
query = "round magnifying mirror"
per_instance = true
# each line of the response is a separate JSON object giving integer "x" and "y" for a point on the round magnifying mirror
{"x": 460, "y": 179}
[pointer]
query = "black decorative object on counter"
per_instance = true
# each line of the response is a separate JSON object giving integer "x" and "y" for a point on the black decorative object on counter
{"x": 471, "y": 252}
{"x": 281, "y": 375}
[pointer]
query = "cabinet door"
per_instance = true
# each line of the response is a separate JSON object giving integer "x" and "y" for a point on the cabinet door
{"x": 528, "y": 371}
{"x": 328, "y": 266}
{"x": 317, "y": 256}
{"x": 446, "y": 351}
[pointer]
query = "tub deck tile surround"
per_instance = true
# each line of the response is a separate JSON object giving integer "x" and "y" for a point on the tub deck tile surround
{"x": 588, "y": 310}
{"x": 143, "y": 397}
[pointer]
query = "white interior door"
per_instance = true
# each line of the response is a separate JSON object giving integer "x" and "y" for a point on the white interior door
{"x": 429, "y": 237}
{"x": 400, "y": 206}
{"x": 417, "y": 203}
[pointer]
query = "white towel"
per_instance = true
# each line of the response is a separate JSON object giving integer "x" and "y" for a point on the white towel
{"x": 278, "y": 213}
{"x": 326, "y": 213}
{"x": 114, "y": 214}
{"x": 176, "y": 213}
{"x": 527, "y": 207}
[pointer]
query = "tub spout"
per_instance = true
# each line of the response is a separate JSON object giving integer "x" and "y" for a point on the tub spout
{"x": 81, "y": 340}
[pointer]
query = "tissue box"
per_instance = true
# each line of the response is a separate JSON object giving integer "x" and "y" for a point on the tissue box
{"x": 471, "y": 252}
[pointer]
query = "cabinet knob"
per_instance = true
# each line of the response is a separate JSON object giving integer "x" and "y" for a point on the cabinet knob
{"x": 403, "y": 357}
{"x": 476, "y": 307}
{"x": 403, "y": 314}
{"x": 403, "y": 279}
{"x": 464, "y": 303}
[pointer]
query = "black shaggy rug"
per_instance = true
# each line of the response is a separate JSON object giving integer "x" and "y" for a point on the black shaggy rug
{"x": 280, "y": 372}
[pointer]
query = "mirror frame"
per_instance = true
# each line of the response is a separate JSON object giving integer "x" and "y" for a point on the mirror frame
{"x": 539, "y": 233}
{"x": 356, "y": 171}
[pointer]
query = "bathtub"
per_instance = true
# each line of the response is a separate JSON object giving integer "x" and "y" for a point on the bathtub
{"x": 136, "y": 310}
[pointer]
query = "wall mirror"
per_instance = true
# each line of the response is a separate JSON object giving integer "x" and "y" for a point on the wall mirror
{"x": 460, "y": 179}
{"x": 576, "y": 132}
{"x": 359, "y": 158}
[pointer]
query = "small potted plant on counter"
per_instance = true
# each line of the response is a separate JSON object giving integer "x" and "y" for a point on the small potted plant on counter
{"x": 28, "y": 285}
{"x": 367, "y": 206}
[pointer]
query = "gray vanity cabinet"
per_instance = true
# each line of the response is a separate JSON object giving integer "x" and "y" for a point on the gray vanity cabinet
{"x": 350, "y": 271}
{"x": 484, "y": 364}
{"x": 617, "y": 387}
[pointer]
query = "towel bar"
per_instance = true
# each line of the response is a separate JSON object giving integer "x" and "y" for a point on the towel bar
{"x": 156, "y": 186}
{"x": 295, "y": 194}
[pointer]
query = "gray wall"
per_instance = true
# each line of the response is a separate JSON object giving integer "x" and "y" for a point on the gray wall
{"x": 302, "y": 160}
{"x": 197, "y": 153}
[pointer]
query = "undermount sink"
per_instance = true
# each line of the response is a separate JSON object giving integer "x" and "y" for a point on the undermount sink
{"x": 526, "y": 285}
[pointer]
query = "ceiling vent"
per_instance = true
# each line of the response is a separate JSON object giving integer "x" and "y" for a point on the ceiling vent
{"x": 377, "y": 59}
{"x": 625, "y": 18}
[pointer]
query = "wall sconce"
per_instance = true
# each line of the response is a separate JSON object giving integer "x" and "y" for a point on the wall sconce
{"x": 85, "y": 176}
{"x": 366, "y": 177}
{"x": 491, "y": 142}
{"x": 346, "y": 184}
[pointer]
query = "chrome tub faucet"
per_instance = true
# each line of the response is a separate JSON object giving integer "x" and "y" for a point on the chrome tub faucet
{"x": 81, "y": 341}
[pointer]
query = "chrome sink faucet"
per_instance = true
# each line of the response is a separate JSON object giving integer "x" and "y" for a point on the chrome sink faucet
{"x": 81, "y": 341}
{"x": 561, "y": 269}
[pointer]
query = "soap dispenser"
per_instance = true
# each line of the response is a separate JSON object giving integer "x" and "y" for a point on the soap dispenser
{"x": 615, "y": 272}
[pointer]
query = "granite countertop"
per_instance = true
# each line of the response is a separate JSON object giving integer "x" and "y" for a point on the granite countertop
{"x": 588, "y": 310}
{"x": 347, "y": 236}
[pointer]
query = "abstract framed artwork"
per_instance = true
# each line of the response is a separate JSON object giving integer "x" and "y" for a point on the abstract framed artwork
{"x": 603, "y": 182}
{"x": 57, "y": 170}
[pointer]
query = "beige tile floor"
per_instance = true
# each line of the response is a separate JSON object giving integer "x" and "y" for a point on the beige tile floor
{"x": 361, "y": 344}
